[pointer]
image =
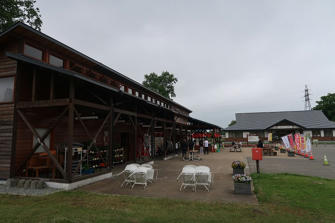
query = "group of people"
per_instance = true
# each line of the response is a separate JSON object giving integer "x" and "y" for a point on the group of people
{"x": 189, "y": 145}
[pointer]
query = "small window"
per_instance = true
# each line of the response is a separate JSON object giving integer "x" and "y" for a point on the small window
{"x": 40, "y": 149}
{"x": 55, "y": 61}
{"x": 158, "y": 102}
{"x": 136, "y": 93}
{"x": 32, "y": 52}
{"x": 143, "y": 96}
{"x": 6, "y": 89}
{"x": 122, "y": 88}
{"x": 130, "y": 91}
{"x": 149, "y": 98}
{"x": 154, "y": 100}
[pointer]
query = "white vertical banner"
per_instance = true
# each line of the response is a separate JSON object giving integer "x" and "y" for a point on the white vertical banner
{"x": 308, "y": 145}
{"x": 286, "y": 142}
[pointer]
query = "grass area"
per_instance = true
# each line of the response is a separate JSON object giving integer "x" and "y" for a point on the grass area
{"x": 283, "y": 198}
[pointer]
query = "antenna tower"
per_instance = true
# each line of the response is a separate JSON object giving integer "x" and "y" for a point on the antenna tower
{"x": 307, "y": 99}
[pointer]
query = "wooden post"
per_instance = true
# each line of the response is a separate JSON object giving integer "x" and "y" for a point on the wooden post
{"x": 164, "y": 139}
{"x": 33, "y": 88}
{"x": 152, "y": 133}
{"x": 51, "y": 87}
{"x": 110, "y": 136}
{"x": 70, "y": 131}
{"x": 135, "y": 137}
{"x": 174, "y": 136}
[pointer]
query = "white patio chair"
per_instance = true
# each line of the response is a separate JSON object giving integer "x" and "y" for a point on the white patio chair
{"x": 146, "y": 165}
{"x": 202, "y": 169}
{"x": 188, "y": 180}
{"x": 187, "y": 169}
{"x": 203, "y": 179}
{"x": 127, "y": 178}
{"x": 140, "y": 178}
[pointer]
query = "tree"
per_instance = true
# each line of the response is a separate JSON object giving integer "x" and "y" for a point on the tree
{"x": 162, "y": 84}
{"x": 233, "y": 122}
{"x": 12, "y": 11}
{"x": 327, "y": 105}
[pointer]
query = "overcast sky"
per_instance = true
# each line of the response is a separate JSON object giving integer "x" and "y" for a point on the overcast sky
{"x": 229, "y": 56}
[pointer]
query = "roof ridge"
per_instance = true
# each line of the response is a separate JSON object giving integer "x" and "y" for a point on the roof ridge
{"x": 276, "y": 112}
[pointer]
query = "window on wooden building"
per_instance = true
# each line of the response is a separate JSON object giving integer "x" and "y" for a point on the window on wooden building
{"x": 122, "y": 88}
{"x": 136, "y": 93}
{"x": 32, "y": 52}
{"x": 53, "y": 60}
{"x": 130, "y": 91}
{"x": 143, "y": 96}
{"x": 41, "y": 132}
{"x": 149, "y": 98}
{"x": 6, "y": 89}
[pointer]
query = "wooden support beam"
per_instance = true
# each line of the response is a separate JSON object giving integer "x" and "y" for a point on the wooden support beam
{"x": 45, "y": 147}
{"x": 116, "y": 119}
{"x": 91, "y": 105}
{"x": 164, "y": 139}
{"x": 44, "y": 136}
{"x": 33, "y": 88}
{"x": 110, "y": 135}
{"x": 52, "y": 86}
{"x": 95, "y": 138}
{"x": 135, "y": 139}
{"x": 70, "y": 130}
{"x": 43, "y": 103}
{"x": 82, "y": 123}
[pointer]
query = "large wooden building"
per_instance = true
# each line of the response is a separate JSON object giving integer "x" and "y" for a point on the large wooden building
{"x": 65, "y": 116}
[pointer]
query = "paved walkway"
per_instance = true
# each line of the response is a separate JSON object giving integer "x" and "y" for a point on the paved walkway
{"x": 299, "y": 165}
{"x": 166, "y": 186}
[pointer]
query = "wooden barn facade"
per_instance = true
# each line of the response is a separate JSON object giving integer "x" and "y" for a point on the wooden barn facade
{"x": 65, "y": 116}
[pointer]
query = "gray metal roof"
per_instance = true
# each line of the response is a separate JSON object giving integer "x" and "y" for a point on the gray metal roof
{"x": 314, "y": 119}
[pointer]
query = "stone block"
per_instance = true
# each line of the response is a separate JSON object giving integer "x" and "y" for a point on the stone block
{"x": 41, "y": 185}
{"x": 27, "y": 184}
{"x": 33, "y": 184}
{"x": 20, "y": 184}
{"x": 12, "y": 182}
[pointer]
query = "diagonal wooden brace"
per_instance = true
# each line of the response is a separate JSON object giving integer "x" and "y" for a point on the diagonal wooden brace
{"x": 40, "y": 141}
{"x": 94, "y": 139}
{"x": 45, "y": 135}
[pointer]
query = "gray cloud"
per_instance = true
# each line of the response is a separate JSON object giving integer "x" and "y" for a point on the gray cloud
{"x": 229, "y": 56}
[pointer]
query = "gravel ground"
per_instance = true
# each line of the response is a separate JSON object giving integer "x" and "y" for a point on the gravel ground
{"x": 299, "y": 165}
{"x": 29, "y": 192}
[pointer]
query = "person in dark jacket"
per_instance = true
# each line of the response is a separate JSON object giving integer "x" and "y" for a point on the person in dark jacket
{"x": 260, "y": 144}
{"x": 183, "y": 148}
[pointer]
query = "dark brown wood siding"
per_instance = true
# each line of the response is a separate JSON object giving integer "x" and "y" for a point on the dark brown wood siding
{"x": 7, "y": 68}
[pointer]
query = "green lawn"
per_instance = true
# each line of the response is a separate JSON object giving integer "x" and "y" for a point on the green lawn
{"x": 283, "y": 198}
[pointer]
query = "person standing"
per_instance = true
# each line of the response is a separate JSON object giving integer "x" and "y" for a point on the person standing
{"x": 260, "y": 144}
{"x": 201, "y": 144}
{"x": 206, "y": 146}
{"x": 183, "y": 148}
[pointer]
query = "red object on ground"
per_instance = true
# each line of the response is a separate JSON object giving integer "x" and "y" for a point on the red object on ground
{"x": 311, "y": 157}
{"x": 257, "y": 154}
{"x": 306, "y": 155}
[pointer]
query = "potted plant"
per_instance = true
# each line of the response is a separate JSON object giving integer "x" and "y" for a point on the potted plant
{"x": 238, "y": 167}
{"x": 87, "y": 170}
{"x": 290, "y": 153}
{"x": 242, "y": 184}
{"x": 282, "y": 150}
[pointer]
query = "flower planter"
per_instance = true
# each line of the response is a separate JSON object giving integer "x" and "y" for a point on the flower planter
{"x": 242, "y": 188}
{"x": 238, "y": 171}
{"x": 290, "y": 154}
{"x": 282, "y": 151}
